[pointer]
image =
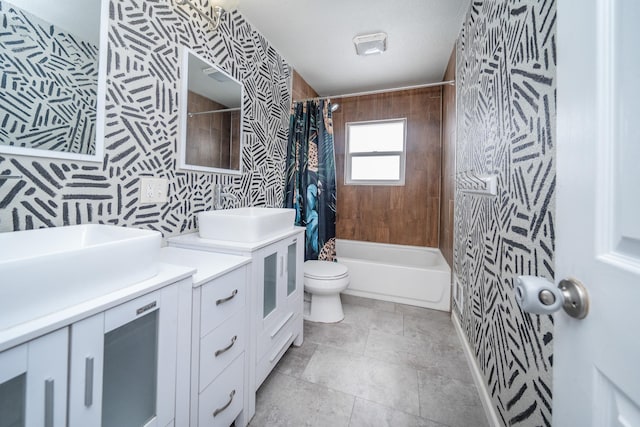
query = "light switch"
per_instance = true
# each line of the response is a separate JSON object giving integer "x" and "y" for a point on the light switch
{"x": 153, "y": 190}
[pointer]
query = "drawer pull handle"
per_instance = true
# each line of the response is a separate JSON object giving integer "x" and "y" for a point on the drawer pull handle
{"x": 217, "y": 411}
{"x": 227, "y": 348}
{"x": 281, "y": 325}
{"x": 230, "y": 297}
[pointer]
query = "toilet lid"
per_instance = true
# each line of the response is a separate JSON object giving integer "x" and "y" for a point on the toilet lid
{"x": 324, "y": 270}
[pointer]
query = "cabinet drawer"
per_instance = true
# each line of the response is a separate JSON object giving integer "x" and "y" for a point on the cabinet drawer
{"x": 224, "y": 397}
{"x": 271, "y": 335}
{"x": 221, "y": 299}
{"x": 268, "y": 360}
{"x": 228, "y": 341}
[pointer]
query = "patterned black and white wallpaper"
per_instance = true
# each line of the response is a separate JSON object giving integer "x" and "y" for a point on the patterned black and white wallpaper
{"x": 48, "y": 87}
{"x": 145, "y": 39}
{"x": 505, "y": 79}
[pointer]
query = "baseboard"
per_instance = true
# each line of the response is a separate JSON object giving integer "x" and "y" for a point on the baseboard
{"x": 485, "y": 398}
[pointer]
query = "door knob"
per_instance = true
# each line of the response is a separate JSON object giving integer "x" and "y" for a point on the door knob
{"x": 538, "y": 295}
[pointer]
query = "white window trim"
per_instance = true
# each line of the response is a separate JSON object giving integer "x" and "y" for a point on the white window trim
{"x": 402, "y": 154}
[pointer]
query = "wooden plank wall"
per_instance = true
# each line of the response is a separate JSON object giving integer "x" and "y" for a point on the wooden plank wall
{"x": 448, "y": 161}
{"x": 406, "y": 215}
{"x": 300, "y": 89}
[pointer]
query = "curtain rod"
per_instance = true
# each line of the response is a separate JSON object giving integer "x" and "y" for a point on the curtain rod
{"x": 225, "y": 110}
{"x": 374, "y": 92}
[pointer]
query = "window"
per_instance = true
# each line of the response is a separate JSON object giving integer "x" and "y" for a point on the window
{"x": 375, "y": 152}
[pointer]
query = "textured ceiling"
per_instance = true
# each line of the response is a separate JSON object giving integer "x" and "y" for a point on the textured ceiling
{"x": 315, "y": 37}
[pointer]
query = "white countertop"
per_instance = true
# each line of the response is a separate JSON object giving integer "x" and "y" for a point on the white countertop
{"x": 27, "y": 331}
{"x": 194, "y": 241}
{"x": 210, "y": 265}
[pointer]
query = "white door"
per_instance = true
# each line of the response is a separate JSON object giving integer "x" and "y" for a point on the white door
{"x": 597, "y": 360}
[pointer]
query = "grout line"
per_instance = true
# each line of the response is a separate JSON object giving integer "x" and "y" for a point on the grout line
{"x": 353, "y": 407}
{"x": 419, "y": 394}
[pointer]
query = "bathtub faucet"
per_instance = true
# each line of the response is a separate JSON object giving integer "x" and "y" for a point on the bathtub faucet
{"x": 219, "y": 194}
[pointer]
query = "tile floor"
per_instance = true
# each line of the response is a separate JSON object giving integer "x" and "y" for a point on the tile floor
{"x": 385, "y": 364}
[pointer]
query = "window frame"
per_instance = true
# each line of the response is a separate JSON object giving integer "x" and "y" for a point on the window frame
{"x": 402, "y": 154}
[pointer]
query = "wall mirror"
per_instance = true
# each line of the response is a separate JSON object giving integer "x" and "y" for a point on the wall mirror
{"x": 53, "y": 67}
{"x": 211, "y": 117}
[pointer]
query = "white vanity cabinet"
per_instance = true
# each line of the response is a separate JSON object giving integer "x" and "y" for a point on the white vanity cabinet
{"x": 109, "y": 361}
{"x": 274, "y": 297}
{"x": 33, "y": 382}
{"x": 219, "y": 375}
{"x": 279, "y": 301}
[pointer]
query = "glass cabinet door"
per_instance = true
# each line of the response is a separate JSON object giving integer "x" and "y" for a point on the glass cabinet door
{"x": 123, "y": 363}
{"x": 291, "y": 268}
{"x": 129, "y": 387}
{"x": 13, "y": 397}
{"x": 33, "y": 382}
{"x": 270, "y": 284}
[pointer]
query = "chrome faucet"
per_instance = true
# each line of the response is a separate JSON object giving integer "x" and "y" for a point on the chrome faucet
{"x": 219, "y": 194}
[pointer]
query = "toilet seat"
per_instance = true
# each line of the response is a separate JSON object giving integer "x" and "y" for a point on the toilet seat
{"x": 325, "y": 270}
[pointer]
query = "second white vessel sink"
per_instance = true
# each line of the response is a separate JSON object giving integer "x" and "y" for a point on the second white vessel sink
{"x": 245, "y": 225}
{"x": 46, "y": 270}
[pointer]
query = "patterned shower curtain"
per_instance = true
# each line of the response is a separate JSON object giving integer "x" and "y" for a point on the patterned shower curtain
{"x": 310, "y": 181}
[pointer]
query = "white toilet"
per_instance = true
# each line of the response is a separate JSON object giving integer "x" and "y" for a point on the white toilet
{"x": 324, "y": 280}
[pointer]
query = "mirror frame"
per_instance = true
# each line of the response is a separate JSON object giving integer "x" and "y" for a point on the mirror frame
{"x": 98, "y": 156}
{"x": 184, "y": 91}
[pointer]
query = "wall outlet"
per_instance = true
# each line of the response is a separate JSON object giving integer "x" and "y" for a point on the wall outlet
{"x": 153, "y": 190}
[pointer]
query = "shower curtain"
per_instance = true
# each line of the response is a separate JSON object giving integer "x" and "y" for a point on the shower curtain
{"x": 310, "y": 180}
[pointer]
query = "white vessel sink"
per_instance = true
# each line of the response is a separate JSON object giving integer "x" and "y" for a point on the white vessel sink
{"x": 46, "y": 270}
{"x": 245, "y": 225}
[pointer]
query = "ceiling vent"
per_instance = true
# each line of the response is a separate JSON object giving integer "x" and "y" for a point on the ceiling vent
{"x": 370, "y": 44}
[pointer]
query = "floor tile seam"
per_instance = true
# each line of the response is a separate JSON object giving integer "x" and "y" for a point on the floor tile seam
{"x": 370, "y": 324}
{"x": 338, "y": 348}
{"x": 377, "y": 360}
{"x": 353, "y": 407}
{"x": 326, "y": 387}
{"x": 449, "y": 377}
{"x": 419, "y": 393}
{"x": 320, "y": 385}
{"x": 372, "y": 355}
{"x": 423, "y": 338}
{"x": 354, "y": 325}
{"x": 400, "y": 410}
{"x": 312, "y": 353}
{"x": 400, "y": 364}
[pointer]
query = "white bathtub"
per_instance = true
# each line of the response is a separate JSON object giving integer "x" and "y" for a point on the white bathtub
{"x": 412, "y": 275}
